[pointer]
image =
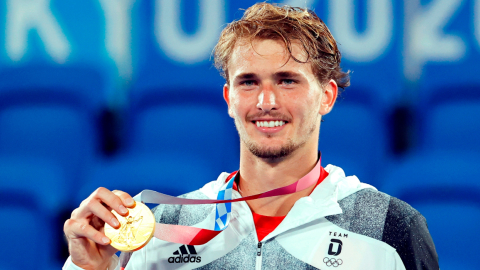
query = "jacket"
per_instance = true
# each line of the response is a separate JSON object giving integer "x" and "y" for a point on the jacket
{"x": 343, "y": 224}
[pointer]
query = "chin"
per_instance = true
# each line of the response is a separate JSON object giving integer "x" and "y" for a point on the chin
{"x": 272, "y": 152}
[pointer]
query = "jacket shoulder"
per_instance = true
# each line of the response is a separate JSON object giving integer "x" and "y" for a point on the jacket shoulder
{"x": 364, "y": 212}
{"x": 390, "y": 220}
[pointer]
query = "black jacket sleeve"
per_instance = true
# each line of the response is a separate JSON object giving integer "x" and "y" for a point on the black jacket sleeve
{"x": 406, "y": 230}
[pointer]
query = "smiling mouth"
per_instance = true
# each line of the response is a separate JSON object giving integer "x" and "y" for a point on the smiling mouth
{"x": 269, "y": 123}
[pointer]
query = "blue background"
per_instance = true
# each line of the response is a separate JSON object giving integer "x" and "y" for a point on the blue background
{"x": 128, "y": 98}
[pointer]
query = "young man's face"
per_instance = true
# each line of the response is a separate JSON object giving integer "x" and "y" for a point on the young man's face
{"x": 277, "y": 103}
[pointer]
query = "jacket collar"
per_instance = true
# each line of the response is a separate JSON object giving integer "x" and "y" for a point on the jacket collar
{"x": 323, "y": 201}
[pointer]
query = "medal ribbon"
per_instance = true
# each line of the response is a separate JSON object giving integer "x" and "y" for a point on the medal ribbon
{"x": 188, "y": 235}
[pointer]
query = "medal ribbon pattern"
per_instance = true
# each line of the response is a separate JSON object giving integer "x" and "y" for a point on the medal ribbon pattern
{"x": 188, "y": 235}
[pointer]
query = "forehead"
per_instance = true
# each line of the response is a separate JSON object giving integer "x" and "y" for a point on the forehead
{"x": 267, "y": 54}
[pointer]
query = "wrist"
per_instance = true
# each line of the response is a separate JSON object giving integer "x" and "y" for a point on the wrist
{"x": 78, "y": 266}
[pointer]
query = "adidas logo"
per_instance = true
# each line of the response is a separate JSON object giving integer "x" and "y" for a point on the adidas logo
{"x": 186, "y": 254}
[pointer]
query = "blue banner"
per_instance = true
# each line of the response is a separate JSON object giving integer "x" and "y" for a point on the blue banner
{"x": 387, "y": 44}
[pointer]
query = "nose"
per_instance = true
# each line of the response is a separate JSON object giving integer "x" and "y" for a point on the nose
{"x": 267, "y": 100}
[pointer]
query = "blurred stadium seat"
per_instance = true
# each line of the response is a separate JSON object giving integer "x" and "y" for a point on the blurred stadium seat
{"x": 452, "y": 225}
{"x": 444, "y": 187}
{"x": 354, "y": 136}
{"x": 425, "y": 174}
{"x": 41, "y": 181}
{"x": 48, "y": 136}
{"x": 75, "y": 85}
{"x": 184, "y": 122}
{"x": 49, "y": 113}
{"x": 42, "y": 188}
{"x": 25, "y": 234}
{"x": 448, "y": 118}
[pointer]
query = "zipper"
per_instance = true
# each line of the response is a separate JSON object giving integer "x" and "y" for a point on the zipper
{"x": 258, "y": 265}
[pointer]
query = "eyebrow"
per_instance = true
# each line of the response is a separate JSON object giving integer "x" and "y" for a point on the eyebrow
{"x": 286, "y": 74}
{"x": 280, "y": 74}
{"x": 244, "y": 76}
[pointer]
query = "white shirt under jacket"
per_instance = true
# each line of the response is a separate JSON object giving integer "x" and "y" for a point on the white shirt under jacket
{"x": 341, "y": 225}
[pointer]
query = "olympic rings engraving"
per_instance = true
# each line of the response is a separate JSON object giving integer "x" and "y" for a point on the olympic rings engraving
{"x": 332, "y": 262}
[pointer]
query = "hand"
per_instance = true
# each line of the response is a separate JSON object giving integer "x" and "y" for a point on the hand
{"x": 88, "y": 246}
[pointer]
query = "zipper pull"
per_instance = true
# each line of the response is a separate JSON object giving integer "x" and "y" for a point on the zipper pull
{"x": 259, "y": 249}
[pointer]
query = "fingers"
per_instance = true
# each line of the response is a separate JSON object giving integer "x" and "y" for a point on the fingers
{"x": 74, "y": 229}
{"x": 110, "y": 199}
{"x": 99, "y": 204}
{"x": 126, "y": 198}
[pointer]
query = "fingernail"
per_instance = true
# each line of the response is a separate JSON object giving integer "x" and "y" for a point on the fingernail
{"x": 115, "y": 222}
{"x": 122, "y": 209}
{"x": 129, "y": 201}
{"x": 105, "y": 240}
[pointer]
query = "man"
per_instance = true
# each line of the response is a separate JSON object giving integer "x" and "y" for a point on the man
{"x": 282, "y": 71}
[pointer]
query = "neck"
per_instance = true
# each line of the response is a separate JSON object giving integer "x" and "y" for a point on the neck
{"x": 259, "y": 175}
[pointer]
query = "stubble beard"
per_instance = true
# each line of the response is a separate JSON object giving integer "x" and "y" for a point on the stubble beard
{"x": 272, "y": 153}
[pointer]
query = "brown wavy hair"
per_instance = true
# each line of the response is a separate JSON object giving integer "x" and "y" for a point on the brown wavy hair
{"x": 269, "y": 21}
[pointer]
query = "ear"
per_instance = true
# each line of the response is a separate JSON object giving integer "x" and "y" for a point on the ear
{"x": 226, "y": 96}
{"x": 329, "y": 96}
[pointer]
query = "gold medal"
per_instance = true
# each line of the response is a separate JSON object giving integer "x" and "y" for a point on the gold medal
{"x": 136, "y": 229}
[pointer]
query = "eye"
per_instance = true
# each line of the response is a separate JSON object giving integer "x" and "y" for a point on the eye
{"x": 287, "y": 81}
{"x": 248, "y": 83}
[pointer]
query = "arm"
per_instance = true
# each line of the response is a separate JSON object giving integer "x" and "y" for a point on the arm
{"x": 418, "y": 250}
{"x": 114, "y": 264}
{"x": 406, "y": 230}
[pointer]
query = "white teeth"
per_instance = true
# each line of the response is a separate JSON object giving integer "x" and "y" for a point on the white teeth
{"x": 269, "y": 123}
